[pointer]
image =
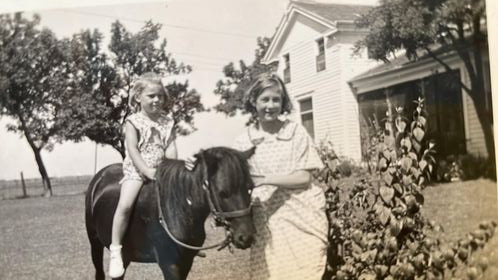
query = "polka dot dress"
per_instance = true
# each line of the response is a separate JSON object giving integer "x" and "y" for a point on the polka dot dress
{"x": 153, "y": 139}
{"x": 291, "y": 238}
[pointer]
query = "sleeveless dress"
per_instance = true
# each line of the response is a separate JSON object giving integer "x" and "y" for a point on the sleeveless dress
{"x": 291, "y": 224}
{"x": 154, "y": 137}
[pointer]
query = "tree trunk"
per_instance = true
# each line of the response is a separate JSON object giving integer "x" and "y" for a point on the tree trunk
{"x": 479, "y": 92}
{"x": 47, "y": 186}
{"x": 479, "y": 98}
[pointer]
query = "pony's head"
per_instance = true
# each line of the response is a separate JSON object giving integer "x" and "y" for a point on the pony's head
{"x": 229, "y": 184}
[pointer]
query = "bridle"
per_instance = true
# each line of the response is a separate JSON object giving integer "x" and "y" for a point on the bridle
{"x": 219, "y": 216}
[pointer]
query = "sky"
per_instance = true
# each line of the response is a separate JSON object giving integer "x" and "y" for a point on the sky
{"x": 205, "y": 34}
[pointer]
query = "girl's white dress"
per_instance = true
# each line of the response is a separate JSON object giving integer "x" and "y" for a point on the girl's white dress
{"x": 291, "y": 224}
{"x": 154, "y": 137}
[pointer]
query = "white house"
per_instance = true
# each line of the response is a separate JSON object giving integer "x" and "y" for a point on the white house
{"x": 312, "y": 47}
{"x": 334, "y": 92}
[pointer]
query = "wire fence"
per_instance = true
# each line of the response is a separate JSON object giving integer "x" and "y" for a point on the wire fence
{"x": 12, "y": 189}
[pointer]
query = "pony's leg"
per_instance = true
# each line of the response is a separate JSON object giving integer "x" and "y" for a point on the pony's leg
{"x": 178, "y": 270}
{"x": 186, "y": 264}
{"x": 167, "y": 263}
{"x": 170, "y": 271}
{"x": 97, "y": 249}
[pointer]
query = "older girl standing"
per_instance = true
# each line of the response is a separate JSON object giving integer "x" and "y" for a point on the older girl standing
{"x": 289, "y": 211}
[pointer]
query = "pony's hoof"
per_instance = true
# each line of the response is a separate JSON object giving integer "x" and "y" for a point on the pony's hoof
{"x": 201, "y": 254}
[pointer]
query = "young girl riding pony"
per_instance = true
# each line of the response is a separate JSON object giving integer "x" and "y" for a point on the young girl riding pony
{"x": 149, "y": 138}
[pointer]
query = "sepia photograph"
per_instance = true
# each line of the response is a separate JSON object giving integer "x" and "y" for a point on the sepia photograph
{"x": 248, "y": 139}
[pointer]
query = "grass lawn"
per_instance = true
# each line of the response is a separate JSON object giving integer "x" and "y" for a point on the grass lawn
{"x": 45, "y": 238}
{"x": 459, "y": 207}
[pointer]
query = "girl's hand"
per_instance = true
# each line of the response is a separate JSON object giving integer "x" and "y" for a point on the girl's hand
{"x": 150, "y": 173}
{"x": 258, "y": 180}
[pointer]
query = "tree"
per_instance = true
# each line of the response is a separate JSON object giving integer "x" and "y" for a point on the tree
{"x": 232, "y": 89}
{"x": 103, "y": 82}
{"x": 432, "y": 28}
{"x": 32, "y": 82}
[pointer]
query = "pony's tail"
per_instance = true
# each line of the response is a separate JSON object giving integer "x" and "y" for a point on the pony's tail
{"x": 97, "y": 248}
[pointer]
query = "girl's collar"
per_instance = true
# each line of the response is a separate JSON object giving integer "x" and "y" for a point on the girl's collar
{"x": 257, "y": 136}
{"x": 162, "y": 116}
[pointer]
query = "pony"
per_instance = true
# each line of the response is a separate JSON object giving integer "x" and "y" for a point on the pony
{"x": 167, "y": 222}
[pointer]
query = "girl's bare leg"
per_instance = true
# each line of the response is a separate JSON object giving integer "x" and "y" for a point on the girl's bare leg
{"x": 127, "y": 197}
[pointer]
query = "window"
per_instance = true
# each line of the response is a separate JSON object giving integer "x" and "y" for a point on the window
{"x": 287, "y": 77}
{"x": 320, "y": 58}
{"x": 306, "y": 109}
{"x": 443, "y": 103}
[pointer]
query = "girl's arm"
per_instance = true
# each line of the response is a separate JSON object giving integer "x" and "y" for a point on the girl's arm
{"x": 171, "y": 151}
{"x": 131, "y": 138}
{"x": 296, "y": 180}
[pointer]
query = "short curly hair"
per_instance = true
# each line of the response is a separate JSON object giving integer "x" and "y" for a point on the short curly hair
{"x": 259, "y": 84}
{"x": 140, "y": 85}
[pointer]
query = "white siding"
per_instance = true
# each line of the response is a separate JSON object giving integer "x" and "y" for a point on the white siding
{"x": 476, "y": 143}
{"x": 351, "y": 66}
{"x": 300, "y": 30}
{"x": 335, "y": 110}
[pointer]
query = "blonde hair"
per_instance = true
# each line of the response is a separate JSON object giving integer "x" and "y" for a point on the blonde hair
{"x": 140, "y": 84}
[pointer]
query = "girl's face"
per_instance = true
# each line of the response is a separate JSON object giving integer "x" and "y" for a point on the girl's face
{"x": 152, "y": 99}
{"x": 269, "y": 105}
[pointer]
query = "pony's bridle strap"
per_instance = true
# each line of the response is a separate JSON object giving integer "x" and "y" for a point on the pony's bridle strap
{"x": 219, "y": 216}
{"x": 162, "y": 221}
{"x": 222, "y": 215}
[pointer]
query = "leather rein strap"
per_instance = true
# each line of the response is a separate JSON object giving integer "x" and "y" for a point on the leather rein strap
{"x": 219, "y": 216}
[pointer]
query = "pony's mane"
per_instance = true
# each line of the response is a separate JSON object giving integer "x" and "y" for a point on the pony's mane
{"x": 233, "y": 164}
{"x": 179, "y": 184}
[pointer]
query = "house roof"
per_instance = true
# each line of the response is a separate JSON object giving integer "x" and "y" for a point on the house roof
{"x": 333, "y": 12}
{"x": 400, "y": 62}
{"x": 401, "y": 69}
{"x": 327, "y": 14}
{"x": 393, "y": 64}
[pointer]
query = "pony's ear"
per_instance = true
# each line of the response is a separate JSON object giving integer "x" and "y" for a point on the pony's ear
{"x": 206, "y": 161}
{"x": 198, "y": 159}
{"x": 248, "y": 153}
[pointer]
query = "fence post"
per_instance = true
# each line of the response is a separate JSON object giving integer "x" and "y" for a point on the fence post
{"x": 23, "y": 184}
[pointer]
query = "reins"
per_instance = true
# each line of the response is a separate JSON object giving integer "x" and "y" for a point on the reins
{"x": 219, "y": 216}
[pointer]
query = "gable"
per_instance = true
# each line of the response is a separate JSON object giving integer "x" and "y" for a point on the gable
{"x": 300, "y": 29}
{"x": 303, "y": 22}
{"x": 307, "y": 21}
{"x": 335, "y": 12}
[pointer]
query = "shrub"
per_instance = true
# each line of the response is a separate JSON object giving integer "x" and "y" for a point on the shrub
{"x": 376, "y": 229}
{"x": 464, "y": 167}
{"x": 337, "y": 167}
